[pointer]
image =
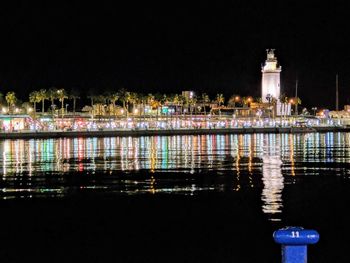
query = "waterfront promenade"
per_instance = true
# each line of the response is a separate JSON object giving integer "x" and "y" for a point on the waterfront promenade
{"x": 26, "y": 134}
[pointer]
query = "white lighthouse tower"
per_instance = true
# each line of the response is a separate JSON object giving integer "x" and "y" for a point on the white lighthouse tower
{"x": 271, "y": 87}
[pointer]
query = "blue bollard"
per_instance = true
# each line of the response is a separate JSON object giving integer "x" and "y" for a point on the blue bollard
{"x": 294, "y": 241}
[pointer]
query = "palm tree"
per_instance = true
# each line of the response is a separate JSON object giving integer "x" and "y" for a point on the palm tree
{"x": 61, "y": 95}
{"x": 74, "y": 95}
{"x": 139, "y": 98}
{"x": 43, "y": 96}
{"x": 92, "y": 98}
{"x": 124, "y": 97}
{"x": 192, "y": 103}
{"x": 143, "y": 101}
{"x": 101, "y": 101}
{"x": 205, "y": 100}
{"x": 150, "y": 98}
{"x": 113, "y": 99}
{"x": 233, "y": 100}
{"x": 283, "y": 98}
{"x": 258, "y": 99}
{"x": 52, "y": 95}
{"x": 11, "y": 100}
{"x": 133, "y": 99}
{"x": 247, "y": 100}
{"x": 220, "y": 99}
{"x": 182, "y": 102}
{"x": 1, "y": 97}
{"x": 161, "y": 98}
{"x": 298, "y": 101}
{"x": 34, "y": 98}
{"x": 186, "y": 102}
{"x": 167, "y": 98}
{"x": 176, "y": 101}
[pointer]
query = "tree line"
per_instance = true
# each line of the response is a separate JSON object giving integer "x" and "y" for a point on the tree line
{"x": 125, "y": 98}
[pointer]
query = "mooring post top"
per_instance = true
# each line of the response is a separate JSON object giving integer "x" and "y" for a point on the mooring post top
{"x": 296, "y": 236}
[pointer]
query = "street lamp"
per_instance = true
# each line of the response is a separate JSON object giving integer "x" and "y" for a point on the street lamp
{"x": 314, "y": 109}
{"x": 66, "y": 108}
{"x": 249, "y": 100}
{"x": 237, "y": 99}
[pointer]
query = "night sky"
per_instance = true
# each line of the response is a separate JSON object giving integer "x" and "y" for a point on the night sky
{"x": 172, "y": 47}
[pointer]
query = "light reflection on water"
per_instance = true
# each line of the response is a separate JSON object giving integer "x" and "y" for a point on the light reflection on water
{"x": 170, "y": 164}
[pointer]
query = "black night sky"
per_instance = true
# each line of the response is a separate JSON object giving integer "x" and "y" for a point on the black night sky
{"x": 171, "y": 47}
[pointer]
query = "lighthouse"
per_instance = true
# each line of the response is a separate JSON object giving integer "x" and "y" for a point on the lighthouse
{"x": 270, "y": 87}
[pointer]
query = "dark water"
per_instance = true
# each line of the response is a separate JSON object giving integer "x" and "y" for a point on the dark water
{"x": 176, "y": 199}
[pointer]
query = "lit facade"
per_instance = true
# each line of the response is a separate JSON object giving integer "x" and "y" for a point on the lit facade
{"x": 188, "y": 94}
{"x": 270, "y": 87}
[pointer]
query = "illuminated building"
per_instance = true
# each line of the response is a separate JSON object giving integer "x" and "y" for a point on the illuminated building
{"x": 270, "y": 78}
{"x": 13, "y": 122}
{"x": 188, "y": 94}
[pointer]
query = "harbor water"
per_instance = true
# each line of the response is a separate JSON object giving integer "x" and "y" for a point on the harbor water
{"x": 186, "y": 198}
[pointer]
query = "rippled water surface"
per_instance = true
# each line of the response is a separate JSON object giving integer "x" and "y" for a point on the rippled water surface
{"x": 185, "y": 165}
{"x": 191, "y": 199}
